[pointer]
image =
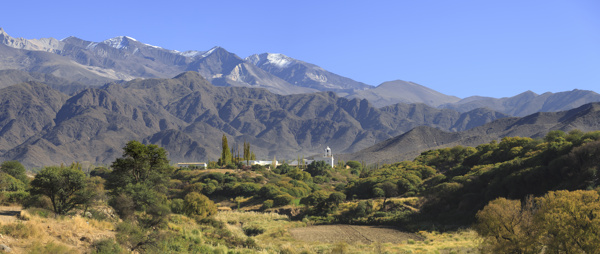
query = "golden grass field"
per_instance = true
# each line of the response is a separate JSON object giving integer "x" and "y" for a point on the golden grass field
{"x": 25, "y": 232}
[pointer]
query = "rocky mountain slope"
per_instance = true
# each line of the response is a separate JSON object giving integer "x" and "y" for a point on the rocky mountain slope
{"x": 410, "y": 144}
{"x": 304, "y": 74}
{"x": 399, "y": 91}
{"x": 528, "y": 102}
{"x": 187, "y": 115}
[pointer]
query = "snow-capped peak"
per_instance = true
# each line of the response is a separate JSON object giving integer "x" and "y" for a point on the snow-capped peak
{"x": 119, "y": 42}
{"x": 279, "y": 60}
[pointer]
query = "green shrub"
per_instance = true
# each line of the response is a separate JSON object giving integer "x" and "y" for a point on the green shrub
{"x": 267, "y": 204}
{"x": 283, "y": 199}
{"x": 253, "y": 230}
{"x": 251, "y": 243}
{"x": 15, "y": 169}
{"x": 176, "y": 206}
{"x": 38, "y": 201}
{"x": 40, "y": 212}
{"x": 198, "y": 206}
{"x": 16, "y": 196}
{"x": 107, "y": 246}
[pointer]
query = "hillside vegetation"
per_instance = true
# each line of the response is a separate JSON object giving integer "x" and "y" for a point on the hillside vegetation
{"x": 439, "y": 200}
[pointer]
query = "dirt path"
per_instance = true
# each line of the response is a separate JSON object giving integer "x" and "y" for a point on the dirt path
{"x": 352, "y": 233}
{"x": 9, "y": 213}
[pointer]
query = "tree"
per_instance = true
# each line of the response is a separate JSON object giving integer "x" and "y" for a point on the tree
{"x": 508, "y": 227}
{"x": 225, "y": 154}
{"x": 389, "y": 190}
{"x": 354, "y": 165}
{"x": 274, "y": 163}
{"x": 336, "y": 198}
{"x": 140, "y": 176}
{"x": 62, "y": 185}
{"x": 318, "y": 168}
{"x": 571, "y": 221}
{"x": 198, "y": 206}
{"x": 140, "y": 164}
{"x": 15, "y": 169}
{"x": 247, "y": 153}
{"x": 314, "y": 198}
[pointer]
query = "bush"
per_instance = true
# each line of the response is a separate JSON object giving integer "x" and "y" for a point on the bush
{"x": 267, "y": 204}
{"x": 176, "y": 206}
{"x": 320, "y": 179}
{"x": 16, "y": 196}
{"x": 10, "y": 183}
{"x": 246, "y": 189}
{"x": 107, "y": 246}
{"x": 38, "y": 201}
{"x": 318, "y": 168}
{"x": 15, "y": 169}
{"x": 283, "y": 199}
{"x": 39, "y": 212}
{"x": 253, "y": 230}
{"x": 123, "y": 205}
{"x": 198, "y": 206}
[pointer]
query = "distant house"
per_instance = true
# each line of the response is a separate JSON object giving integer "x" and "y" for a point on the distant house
{"x": 295, "y": 163}
{"x": 263, "y": 163}
{"x": 192, "y": 164}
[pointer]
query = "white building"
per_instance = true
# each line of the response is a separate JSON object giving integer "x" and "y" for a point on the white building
{"x": 197, "y": 164}
{"x": 327, "y": 157}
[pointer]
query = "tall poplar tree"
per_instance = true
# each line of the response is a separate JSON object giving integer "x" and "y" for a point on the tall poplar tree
{"x": 226, "y": 154}
{"x": 247, "y": 152}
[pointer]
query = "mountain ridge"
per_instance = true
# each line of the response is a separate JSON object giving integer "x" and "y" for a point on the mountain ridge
{"x": 124, "y": 58}
{"x": 94, "y": 123}
{"x": 410, "y": 144}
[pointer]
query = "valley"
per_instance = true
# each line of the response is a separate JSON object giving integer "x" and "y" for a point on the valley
{"x": 92, "y": 135}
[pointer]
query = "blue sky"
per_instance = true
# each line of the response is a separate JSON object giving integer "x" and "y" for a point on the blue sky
{"x": 461, "y": 48}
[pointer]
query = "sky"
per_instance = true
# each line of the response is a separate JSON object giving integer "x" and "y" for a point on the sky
{"x": 496, "y": 48}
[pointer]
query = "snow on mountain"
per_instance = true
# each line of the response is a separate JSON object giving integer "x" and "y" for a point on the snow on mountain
{"x": 274, "y": 59}
{"x": 279, "y": 60}
{"x": 210, "y": 51}
{"x": 192, "y": 53}
{"x": 119, "y": 42}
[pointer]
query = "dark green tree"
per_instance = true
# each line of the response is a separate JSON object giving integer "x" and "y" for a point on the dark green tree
{"x": 62, "y": 185}
{"x": 140, "y": 164}
{"x": 141, "y": 176}
{"x": 318, "y": 168}
{"x": 15, "y": 169}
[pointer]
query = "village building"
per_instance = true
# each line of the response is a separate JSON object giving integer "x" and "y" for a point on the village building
{"x": 192, "y": 164}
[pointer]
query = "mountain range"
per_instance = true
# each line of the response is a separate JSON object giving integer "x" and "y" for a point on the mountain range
{"x": 187, "y": 115}
{"x": 75, "y": 100}
{"x": 410, "y": 144}
{"x": 124, "y": 58}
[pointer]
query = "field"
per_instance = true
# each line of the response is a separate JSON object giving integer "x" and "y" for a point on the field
{"x": 352, "y": 234}
{"x": 284, "y": 236}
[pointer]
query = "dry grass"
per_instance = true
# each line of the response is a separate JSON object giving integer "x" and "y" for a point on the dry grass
{"x": 53, "y": 235}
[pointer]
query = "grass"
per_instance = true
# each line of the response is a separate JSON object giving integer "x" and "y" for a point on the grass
{"x": 276, "y": 238}
{"x": 35, "y": 234}
{"x": 230, "y": 232}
